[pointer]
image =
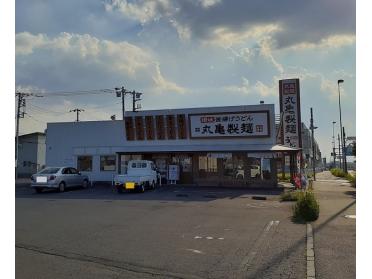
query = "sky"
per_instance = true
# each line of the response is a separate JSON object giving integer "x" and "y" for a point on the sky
{"x": 185, "y": 53}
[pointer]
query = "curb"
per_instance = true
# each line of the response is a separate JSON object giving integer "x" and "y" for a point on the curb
{"x": 310, "y": 256}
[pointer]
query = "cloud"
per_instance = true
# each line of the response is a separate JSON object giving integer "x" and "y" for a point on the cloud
{"x": 73, "y": 57}
{"x": 335, "y": 41}
{"x": 142, "y": 11}
{"x": 229, "y": 22}
{"x": 259, "y": 88}
{"x": 162, "y": 84}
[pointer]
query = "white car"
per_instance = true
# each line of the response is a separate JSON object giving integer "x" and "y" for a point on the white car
{"x": 141, "y": 175}
{"x": 58, "y": 178}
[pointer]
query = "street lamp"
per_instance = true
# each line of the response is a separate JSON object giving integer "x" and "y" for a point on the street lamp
{"x": 342, "y": 138}
{"x": 333, "y": 144}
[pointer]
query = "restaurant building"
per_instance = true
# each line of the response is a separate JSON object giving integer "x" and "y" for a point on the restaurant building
{"x": 210, "y": 146}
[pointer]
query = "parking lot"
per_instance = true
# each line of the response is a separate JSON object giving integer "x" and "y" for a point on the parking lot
{"x": 170, "y": 232}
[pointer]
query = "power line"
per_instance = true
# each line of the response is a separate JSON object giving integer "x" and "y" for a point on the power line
{"x": 73, "y": 93}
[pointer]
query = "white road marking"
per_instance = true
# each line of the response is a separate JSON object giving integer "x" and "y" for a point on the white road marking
{"x": 221, "y": 238}
{"x": 248, "y": 260}
{"x": 195, "y": 251}
{"x": 350, "y": 216}
{"x": 198, "y": 237}
{"x": 209, "y": 237}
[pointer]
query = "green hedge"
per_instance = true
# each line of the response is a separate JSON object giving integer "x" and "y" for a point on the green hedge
{"x": 306, "y": 208}
{"x": 338, "y": 172}
{"x": 351, "y": 179}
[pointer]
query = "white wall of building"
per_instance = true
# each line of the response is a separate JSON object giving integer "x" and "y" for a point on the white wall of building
{"x": 65, "y": 141}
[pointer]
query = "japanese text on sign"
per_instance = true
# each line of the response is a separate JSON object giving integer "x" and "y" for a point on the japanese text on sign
{"x": 290, "y": 113}
{"x": 245, "y": 124}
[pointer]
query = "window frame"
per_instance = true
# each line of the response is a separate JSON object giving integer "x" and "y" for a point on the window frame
{"x": 78, "y": 166}
{"x": 101, "y": 166}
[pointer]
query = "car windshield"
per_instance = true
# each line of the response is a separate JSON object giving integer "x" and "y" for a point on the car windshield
{"x": 49, "y": 171}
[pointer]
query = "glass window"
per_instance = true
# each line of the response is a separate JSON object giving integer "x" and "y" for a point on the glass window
{"x": 108, "y": 163}
{"x": 84, "y": 163}
{"x": 254, "y": 165}
{"x": 49, "y": 171}
{"x": 207, "y": 164}
{"x": 143, "y": 165}
{"x": 266, "y": 169}
{"x": 66, "y": 171}
{"x": 73, "y": 171}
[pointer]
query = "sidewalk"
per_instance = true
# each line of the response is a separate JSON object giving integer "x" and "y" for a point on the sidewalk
{"x": 334, "y": 234}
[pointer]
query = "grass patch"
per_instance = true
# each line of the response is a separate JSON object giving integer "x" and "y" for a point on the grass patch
{"x": 306, "y": 207}
{"x": 289, "y": 196}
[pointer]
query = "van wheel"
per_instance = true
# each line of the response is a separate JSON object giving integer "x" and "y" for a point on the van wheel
{"x": 62, "y": 187}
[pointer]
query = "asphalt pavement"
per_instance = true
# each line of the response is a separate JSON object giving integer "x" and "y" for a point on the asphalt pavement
{"x": 334, "y": 231}
{"x": 171, "y": 232}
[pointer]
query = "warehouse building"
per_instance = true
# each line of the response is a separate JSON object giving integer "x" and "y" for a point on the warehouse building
{"x": 227, "y": 146}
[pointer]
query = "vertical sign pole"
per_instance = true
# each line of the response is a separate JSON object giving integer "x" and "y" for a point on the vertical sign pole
{"x": 312, "y": 140}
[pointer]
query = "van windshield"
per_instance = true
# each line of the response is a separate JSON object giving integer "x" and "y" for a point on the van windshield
{"x": 49, "y": 171}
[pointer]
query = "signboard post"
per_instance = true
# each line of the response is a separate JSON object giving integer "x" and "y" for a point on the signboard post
{"x": 173, "y": 173}
{"x": 290, "y": 109}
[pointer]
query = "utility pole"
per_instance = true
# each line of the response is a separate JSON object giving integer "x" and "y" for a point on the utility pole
{"x": 333, "y": 144}
{"x": 344, "y": 149}
{"x": 77, "y": 110}
{"x": 121, "y": 92}
{"x": 136, "y": 96}
{"x": 20, "y": 102}
{"x": 339, "y": 150}
{"x": 312, "y": 128}
{"x": 339, "y": 108}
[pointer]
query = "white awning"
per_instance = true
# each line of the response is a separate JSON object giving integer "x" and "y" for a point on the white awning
{"x": 204, "y": 148}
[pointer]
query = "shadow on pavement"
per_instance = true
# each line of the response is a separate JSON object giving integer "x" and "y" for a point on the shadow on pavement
{"x": 162, "y": 193}
{"x": 351, "y": 193}
{"x": 276, "y": 260}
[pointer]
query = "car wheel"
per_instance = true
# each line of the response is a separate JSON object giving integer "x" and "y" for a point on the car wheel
{"x": 142, "y": 188}
{"x": 119, "y": 189}
{"x": 38, "y": 190}
{"x": 62, "y": 187}
{"x": 85, "y": 184}
{"x": 153, "y": 185}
